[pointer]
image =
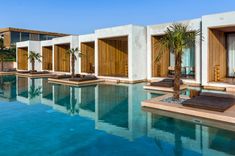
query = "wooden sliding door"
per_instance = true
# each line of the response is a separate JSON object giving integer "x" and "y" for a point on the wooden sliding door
{"x": 113, "y": 57}
{"x": 62, "y": 58}
{"x": 160, "y": 67}
{"x": 22, "y": 61}
{"x": 217, "y": 55}
{"x": 47, "y": 58}
{"x": 88, "y": 57}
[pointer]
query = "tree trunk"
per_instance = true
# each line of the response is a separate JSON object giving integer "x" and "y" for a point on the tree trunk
{"x": 2, "y": 64}
{"x": 73, "y": 64}
{"x": 177, "y": 75}
{"x": 33, "y": 63}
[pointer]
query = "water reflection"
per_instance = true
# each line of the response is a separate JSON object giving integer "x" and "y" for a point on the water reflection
{"x": 28, "y": 90}
{"x": 187, "y": 137}
{"x": 7, "y": 88}
{"x": 115, "y": 109}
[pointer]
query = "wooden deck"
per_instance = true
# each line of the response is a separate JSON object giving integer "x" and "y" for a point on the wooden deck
{"x": 228, "y": 116}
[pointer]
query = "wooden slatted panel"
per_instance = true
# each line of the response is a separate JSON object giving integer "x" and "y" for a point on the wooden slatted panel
{"x": 88, "y": 57}
{"x": 7, "y": 39}
{"x": 217, "y": 54}
{"x": 47, "y": 58}
{"x": 113, "y": 57}
{"x": 22, "y": 58}
{"x": 159, "y": 68}
{"x": 62, "y": 58}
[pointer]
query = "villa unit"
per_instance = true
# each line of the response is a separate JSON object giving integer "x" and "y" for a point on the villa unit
{"x": 22, "y": 51}
{"x": 128, "y": 53}
{"x": 121, "y": 53}
{"x": 163, "y": 68}
{"x": 218, "y": 50}
{"x": 54, "y": 54}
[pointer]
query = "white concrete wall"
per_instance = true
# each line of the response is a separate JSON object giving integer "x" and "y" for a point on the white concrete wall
{"x": 154, "y": 30}
{"x": 212, "y": 21}
{"x": 136, "y": 49}
{"x": 32, "y": 46}
{"x": 83, "y": 38}
{"x": 74, "y": 43}
{"x": 138, "y": 64}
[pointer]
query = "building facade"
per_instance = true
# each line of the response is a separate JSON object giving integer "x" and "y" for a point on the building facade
{"x": 127, "y": 53}
{"x": 13, "y": 35}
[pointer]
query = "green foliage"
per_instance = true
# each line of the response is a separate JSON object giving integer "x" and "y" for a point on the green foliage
{"x": 34, "y": 56}
{"x": 176, "y": 38}
{"x": 74, "y": 51}
{"x": 8, "y": 54}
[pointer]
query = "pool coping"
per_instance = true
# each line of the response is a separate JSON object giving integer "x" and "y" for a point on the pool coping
{"x": 47, "y": 75}
{"x": 228, "y": 116}
{"x": 74, "y": 83}
{"x": 164, "y": 89}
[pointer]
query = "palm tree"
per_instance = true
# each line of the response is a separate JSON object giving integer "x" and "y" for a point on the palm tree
{"x": 177, "y": 37}
{"x": 34, "y": 56}
{"x": 73, "y": 52}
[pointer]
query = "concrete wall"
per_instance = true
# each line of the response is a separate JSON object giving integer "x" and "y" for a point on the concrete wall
{"x": 212, "y": 21}
{"x": 8, "y": 65}
{"x": 136, "y": 49}
{"x": 152, "y": 30}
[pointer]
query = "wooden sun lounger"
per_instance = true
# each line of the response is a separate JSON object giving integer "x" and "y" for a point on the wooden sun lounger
{"x": 85, "y": 78}
{"x": 211, "y": 101}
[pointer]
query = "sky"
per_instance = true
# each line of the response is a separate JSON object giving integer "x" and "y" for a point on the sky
{"x": 85, "y": 16}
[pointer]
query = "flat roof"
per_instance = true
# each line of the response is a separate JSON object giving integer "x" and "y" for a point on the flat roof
{"x": 31, "y": 31}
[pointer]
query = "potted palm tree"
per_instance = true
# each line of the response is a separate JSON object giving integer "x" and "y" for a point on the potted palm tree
{"x": 33, "y": 57}
{"x": 73, "y": 52}
{"x": 177, "y": 37}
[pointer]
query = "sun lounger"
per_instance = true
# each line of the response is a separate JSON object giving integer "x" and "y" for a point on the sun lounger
{"x": 84, "y": 78}
{"x": 39, "y": 72}
{"x": 165, "y": 83}
{"x": 23, "y": 72}
{"x": 211, "y": 101}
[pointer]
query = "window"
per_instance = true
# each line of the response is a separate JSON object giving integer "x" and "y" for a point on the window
{"x": 15, "y": 37}
{"x": 43, "y": 37}
{"x": 231, "y": 55}
{"x": 24, "y": 36}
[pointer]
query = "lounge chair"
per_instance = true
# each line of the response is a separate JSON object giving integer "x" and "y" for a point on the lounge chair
{"x": 165, "y": 83}
{"x": 23, "y": 72}
{"x": 39, "y": 72}
{"x": 211, "y": 101}
{"x": 65, "y": 76}
{"x": 84, "y": 78}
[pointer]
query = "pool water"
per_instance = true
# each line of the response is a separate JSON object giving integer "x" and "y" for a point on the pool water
{"x": 38, "y": 118}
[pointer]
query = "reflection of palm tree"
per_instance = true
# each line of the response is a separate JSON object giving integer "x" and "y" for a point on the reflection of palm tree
{"x": 72, "y": 105}
{"x": 178, "y": 142}
{"x": 34, "y": 92}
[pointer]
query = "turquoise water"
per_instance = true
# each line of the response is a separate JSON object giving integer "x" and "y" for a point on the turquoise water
{"x": 37, "y": 118}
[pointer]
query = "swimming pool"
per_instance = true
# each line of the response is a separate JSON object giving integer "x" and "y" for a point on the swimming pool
{"x": 37, "y": 118}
